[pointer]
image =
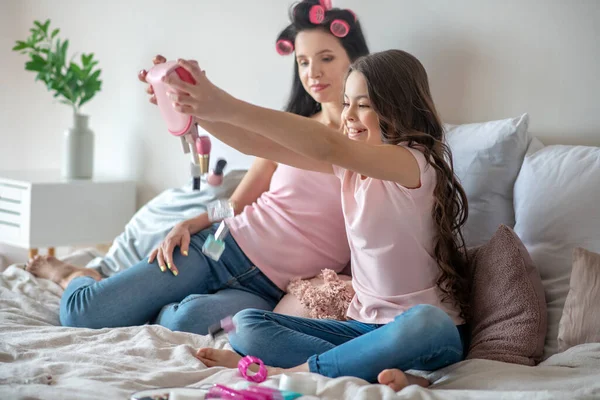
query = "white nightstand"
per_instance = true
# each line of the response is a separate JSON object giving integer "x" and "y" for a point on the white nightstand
{"x": 40, "y": 209}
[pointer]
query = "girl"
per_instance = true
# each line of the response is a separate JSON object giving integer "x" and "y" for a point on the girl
{"x": 403, "y": 209}
{"x": 274, "y": 206}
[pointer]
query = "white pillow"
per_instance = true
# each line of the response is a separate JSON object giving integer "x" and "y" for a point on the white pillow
{"x": 557, "y": 208}
{"x": 487, "y": 158}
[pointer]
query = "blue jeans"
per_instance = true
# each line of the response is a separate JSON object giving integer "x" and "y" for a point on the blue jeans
{"x": 204, "y": 292}
{"x": 422, "y": 338}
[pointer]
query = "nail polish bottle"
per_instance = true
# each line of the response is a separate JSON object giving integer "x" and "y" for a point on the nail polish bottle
{"x": 215, "y": 177}
{"x": 225, "y": 325}
{"x": 215, "y": 245}
{"x": 219, "y": 210}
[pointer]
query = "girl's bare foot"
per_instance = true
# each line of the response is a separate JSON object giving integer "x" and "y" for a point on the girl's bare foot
{"x": 218, "y": 358}
{"x": 230, "y": 359}
{"x": 49, "y": 267}
{"x": 398, "y": 380}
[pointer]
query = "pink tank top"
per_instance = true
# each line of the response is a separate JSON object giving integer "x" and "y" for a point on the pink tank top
{"x": 296, "y": 229}
{"x": 391, "y": 231}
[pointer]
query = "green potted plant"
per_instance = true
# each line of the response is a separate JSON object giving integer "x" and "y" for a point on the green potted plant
{"x": 73, "y": 84}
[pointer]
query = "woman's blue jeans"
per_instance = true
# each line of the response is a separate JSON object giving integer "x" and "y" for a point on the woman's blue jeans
{"x": 204, "y": 292}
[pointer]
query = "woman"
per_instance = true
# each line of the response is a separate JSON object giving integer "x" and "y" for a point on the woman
{"x": 281, "y": 230}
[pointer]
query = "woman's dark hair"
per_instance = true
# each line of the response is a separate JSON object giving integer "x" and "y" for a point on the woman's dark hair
{"x": 300, "y": 102}
{"x": 399, "y": 92}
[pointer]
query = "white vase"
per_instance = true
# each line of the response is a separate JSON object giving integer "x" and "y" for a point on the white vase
{"x": 78, "y": 150}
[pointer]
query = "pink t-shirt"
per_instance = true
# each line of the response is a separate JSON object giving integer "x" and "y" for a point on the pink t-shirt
{"x": 390, "y": 230}
{"x": 296, "y": 229}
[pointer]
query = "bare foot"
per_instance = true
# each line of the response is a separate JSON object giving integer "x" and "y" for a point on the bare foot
{"x": 398, "y": 380}
{"x": 49, "y": 267}
{"x": 218, "y": 358}
{"x": 230, "y": 359}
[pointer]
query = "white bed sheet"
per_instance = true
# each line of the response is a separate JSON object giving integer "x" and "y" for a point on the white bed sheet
{"x": 114, "y": 363}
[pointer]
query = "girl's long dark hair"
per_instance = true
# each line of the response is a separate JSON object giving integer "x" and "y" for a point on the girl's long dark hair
{"x": 300, "y": 102}
{"x": 399, "y": 92}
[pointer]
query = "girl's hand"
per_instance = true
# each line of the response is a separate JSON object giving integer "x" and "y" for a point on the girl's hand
{"x": 179, "y": 236}
{"x": 142, "y": 77}
{"x": 202, "y": 100}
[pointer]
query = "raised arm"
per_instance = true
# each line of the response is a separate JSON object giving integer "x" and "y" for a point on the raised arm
{"x": 245, "y": 141}
{"x": 326, "y": 145}
{"x": 251, "y": 143}
{"x": 302, "y": 135}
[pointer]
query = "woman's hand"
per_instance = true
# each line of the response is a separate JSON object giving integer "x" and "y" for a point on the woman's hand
{"x": 179, "y": 236}
{"x": 142, "y": 77}
{"x": 202, "y": 100}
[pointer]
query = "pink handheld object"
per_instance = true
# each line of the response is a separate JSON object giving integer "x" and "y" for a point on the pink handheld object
{"x": 245, "y": 363}
{"x": 178, "y": 124}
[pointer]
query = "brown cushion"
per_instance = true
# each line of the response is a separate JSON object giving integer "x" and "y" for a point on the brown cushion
{"x": 508, "y": 303}
{"x": 580, "y": 321}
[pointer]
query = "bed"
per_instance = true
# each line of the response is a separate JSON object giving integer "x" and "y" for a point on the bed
{"x": 114, "y": 363}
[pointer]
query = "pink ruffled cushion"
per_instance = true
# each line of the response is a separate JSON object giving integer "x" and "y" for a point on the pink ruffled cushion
{"x": 325, "y": 296}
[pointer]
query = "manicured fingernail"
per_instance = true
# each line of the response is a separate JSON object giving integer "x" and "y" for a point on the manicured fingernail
{"x": 175, "y": 272}
{"x": 185, "y": 253}
{"x": 169, "y": 265}
{"x": 162, "y": 268}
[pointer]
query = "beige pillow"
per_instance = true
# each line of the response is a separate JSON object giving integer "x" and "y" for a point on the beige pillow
{"x": 580, "y": 321}
{"x": 508, "y": 302}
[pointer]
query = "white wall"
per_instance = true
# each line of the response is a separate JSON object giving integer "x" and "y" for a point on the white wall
{"x": 486, "y": 60}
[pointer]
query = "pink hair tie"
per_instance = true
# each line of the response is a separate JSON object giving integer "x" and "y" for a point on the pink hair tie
{"x": 245, "y": 363}
{"x": 339, "y": 28}
{"x": 316, "y": 15}
{"x": 284, "y": 47}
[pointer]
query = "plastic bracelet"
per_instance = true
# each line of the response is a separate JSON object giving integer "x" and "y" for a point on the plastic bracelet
{"x": 245, "y": 363}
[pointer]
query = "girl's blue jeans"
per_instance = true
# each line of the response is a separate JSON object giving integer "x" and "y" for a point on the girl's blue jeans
{"x": 422, "y": 338}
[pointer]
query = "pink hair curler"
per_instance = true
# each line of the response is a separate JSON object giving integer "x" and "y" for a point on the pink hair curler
{"x": 284, "y": 47}
{"x": 339, "y": 28}
{"x": 178, "y": 124}
{"x": 326, "y": 4}
{"x": 353, "y": 14}
{"x": 316, "y": 15}
{"x": 245, "y": 363}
